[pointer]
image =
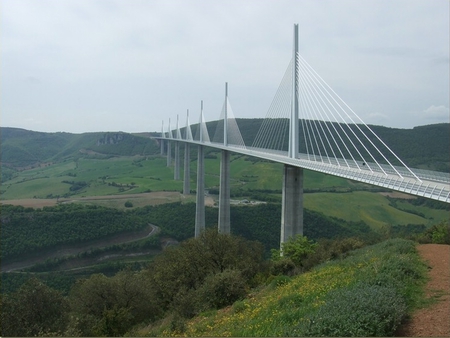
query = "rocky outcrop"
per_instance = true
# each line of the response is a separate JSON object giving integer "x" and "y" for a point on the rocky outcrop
{"x": 110, "y": 138}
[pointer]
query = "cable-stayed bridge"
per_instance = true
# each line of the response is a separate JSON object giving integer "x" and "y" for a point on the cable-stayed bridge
{"x": 308, "y": 126}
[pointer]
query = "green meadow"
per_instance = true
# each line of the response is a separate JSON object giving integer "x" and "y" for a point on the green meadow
{"x": 122, "y": 175}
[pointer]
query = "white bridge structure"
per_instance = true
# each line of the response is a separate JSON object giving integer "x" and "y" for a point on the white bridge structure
{"x": 308, "y": 126}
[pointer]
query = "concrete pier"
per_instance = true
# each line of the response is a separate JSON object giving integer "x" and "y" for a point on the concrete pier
{"x": 176, "y": 172}
{"x": 200, "y": 202}
{"x": 169, "y": 154}
{"x": 224, "y": 193}
{"x": 292, "y": 203}
{"x": 187, "y": 170}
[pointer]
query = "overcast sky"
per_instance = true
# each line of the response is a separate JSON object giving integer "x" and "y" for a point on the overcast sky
{"x": 126, "y": 65}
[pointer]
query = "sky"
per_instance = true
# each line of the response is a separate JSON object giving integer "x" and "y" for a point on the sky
{"x": 127, "y": 65}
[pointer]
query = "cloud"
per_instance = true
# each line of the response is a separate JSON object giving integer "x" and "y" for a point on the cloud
{"x": 436, "y": 113}
{"x": 142, "y": 60}
{"x": 377, "y": 118}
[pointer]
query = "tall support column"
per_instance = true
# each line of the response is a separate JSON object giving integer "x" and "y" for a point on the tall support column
{"x": 162, "y": 146}
{"x": 162, "y": 141}
{"x": 292, "y": 199}
{"x": 224, "y": 189}
{"x": 200, "y": 202}
{"x": 169, "y": 148}
{"x": 176, "y": 173}
{"x": 187, "y": 170}
{"x": 224, "y": 193}
{"x": 292, "y": 203}
{"x": 169, "y": 153}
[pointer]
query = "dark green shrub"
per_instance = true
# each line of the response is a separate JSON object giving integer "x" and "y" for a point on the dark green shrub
{"x": 128, "y": 204}
{"x": 284, "y": 266}
{"x": 441, "y": 234}
{"x": 223, "y": 289}
{"x": 188, "y": 303}
{"x": 34, "y": 310}
{"x": 331, "y": 249}
{"x": 359, "y": 311}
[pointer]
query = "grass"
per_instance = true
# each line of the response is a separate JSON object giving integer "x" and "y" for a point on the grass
{"x": 372, "y": 208}
{"x": 139, "y": 174}
{"x": 392, "y": 270}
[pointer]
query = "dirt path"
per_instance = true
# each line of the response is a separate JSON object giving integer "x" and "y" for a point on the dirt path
{"x": 434, "y": 320}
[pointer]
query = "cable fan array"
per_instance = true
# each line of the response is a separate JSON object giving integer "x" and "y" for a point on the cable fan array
{"x": 234, "y": 136}
{"x": 329, "y": 130}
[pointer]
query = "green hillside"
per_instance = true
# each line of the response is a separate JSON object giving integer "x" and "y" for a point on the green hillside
{"x": 23, "y": 148}
{"x": 366, "y": 294}
{"x": 421, "y": 147}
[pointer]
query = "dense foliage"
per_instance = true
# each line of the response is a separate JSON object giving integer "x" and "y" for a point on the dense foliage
{"x": 211, "y": 271}
{"x": 27, "y": 230}
{"x": 366, "y": 294}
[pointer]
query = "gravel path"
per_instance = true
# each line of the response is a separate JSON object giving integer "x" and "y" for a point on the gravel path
{"x": 434, "y": 320}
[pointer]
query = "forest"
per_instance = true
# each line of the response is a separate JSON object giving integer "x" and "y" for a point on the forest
{"x": 28, "y": 231}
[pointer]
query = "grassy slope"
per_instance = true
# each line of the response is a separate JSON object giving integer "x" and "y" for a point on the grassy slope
{"x": 371, "y": 208}
{"x": 280, "y": 308}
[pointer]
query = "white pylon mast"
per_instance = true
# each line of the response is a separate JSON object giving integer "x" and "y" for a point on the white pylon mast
{"x": 294, "y": 129}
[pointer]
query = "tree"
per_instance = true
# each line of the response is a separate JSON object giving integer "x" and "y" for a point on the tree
{"x": 106, "y": 306}
{"x": 181, "y": 271}
{"x": 296, "y": 248}
{"x": 34, "y": 310}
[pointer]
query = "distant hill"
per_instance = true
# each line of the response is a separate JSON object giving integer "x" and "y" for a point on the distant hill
{"x": 23, "y": 148}
{"x": 424, "y": 147}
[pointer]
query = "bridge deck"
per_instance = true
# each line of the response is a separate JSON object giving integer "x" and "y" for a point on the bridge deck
{"x": 430, "y": 184}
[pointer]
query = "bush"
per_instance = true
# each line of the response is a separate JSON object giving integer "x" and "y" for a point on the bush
{"x": 331, "y": 249}
{"x": 441, "y": 234}
{"x": 223, "y": 289}
{"x": 296, "y": 248}
{"x": 360, "y": 311}
{"x": 284, "y": 266}
{"x": 128, "y": 204}
{"x": 34, "y": 310}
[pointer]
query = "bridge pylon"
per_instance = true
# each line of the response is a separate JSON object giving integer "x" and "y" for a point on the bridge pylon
{"x": 200, "y": 197}
{"x": 169, "y": 148}
{"x": 224, "y": 189}
{"x": 292, "y": 194}
{"x": 187, "y": 162}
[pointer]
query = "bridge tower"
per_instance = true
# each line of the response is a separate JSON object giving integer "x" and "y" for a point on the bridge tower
{"x": 200, "y": 198}
{"x": 176, "y": 173}
{"x": 187, "y": 161}
{"x": 162, "y": 141}
{"x": 169, "y": 148}
{"x": 224, "y": 189}
{"x": 292, "y": 195}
